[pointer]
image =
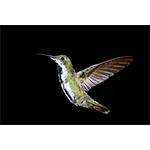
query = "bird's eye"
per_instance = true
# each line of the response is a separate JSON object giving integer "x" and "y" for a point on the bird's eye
{"x": 62, "y": 58}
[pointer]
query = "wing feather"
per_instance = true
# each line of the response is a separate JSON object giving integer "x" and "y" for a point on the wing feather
{"x": 98, "y": 73}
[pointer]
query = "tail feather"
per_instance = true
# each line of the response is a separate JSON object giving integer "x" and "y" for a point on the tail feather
{"x": 97, "y": 106}
{"x": 102, "y": 109}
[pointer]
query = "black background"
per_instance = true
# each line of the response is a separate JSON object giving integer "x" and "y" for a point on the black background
{"x": 42, "y": 110}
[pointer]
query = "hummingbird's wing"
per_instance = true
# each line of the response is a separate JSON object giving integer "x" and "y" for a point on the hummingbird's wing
{"x": 98, "y": 73}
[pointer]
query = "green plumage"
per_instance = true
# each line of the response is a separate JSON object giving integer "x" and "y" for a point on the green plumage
{"x": 83, "y": 74}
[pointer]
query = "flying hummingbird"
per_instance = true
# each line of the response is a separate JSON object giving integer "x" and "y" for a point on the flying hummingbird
{"x": 75, "y": 84}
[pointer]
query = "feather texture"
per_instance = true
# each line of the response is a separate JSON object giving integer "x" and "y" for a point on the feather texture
{"x": 98, "y": 73}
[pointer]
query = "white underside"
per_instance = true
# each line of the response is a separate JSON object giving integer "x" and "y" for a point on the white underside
{"x": 66, "y": 85}
{"x": 69, "y": 90}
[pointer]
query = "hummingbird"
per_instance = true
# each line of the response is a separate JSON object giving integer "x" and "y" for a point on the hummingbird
{"x": 76, "y": 84}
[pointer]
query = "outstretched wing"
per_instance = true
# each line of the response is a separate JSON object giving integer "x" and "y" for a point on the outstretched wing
{"x": 98, "y": 73}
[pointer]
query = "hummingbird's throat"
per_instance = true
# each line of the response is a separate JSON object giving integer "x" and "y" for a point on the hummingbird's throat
{"x": 59, "y": 63}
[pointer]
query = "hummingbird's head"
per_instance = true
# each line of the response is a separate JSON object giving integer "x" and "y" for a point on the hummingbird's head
{"x": 61, "y": 60}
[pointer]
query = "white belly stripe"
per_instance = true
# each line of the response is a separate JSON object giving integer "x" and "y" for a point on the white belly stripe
{"x": 66, "y": 85}
{"x": 66, "y": 88}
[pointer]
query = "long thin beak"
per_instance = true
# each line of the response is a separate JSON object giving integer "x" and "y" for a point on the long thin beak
{"x": 44, "y": 54}
{"x": 50, "y": 56}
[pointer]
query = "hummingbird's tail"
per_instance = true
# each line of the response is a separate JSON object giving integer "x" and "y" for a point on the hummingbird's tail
{"x": 101, "y": 108}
